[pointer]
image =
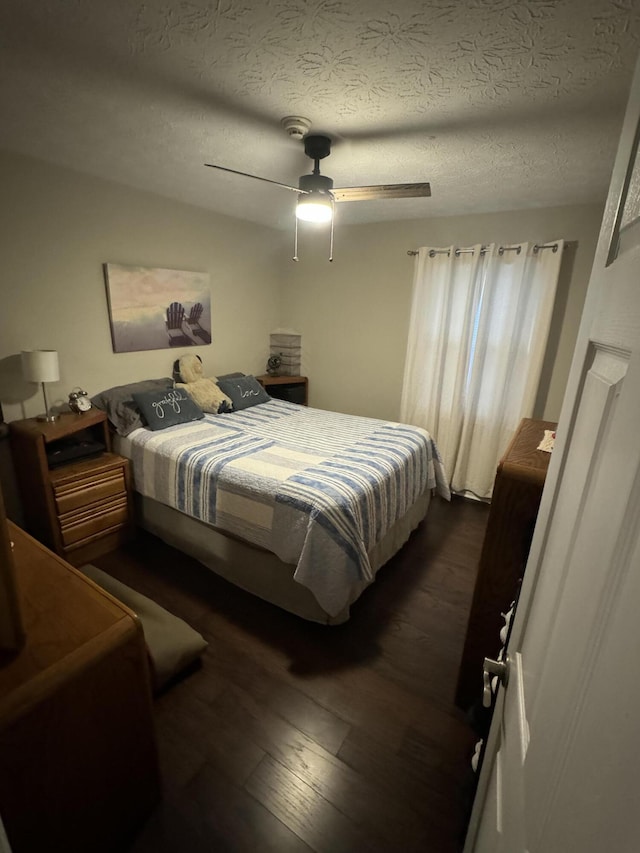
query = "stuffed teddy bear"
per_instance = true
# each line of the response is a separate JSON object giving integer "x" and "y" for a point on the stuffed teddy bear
{"x": 204, "y": 391}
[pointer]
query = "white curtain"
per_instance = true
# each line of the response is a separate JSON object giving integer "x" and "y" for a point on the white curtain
{"x": 477, "y": 337}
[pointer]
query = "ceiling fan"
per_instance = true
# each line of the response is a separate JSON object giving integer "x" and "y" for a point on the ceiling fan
{"x": 316, "y": 193}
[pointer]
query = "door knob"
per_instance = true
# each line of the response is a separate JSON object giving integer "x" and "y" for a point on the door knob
{"x": 493, "y": 669}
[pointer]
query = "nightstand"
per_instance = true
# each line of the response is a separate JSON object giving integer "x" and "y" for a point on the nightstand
{"x": 81, "y": 509}
{"x": 294, "y": 389}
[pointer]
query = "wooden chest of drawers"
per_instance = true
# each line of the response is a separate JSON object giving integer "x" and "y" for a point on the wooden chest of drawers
{"x": 514, "y": 507}
{"x": 79, "y": 768}
{"x": 79, "y": 510}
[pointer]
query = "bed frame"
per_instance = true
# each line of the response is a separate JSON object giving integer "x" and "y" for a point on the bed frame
{"x": 256, "y": 570}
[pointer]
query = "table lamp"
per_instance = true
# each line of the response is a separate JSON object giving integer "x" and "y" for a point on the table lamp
{"x": 41, "y": 366}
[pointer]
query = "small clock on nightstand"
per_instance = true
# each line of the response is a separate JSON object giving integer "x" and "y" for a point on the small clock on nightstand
{"x": 79, "y": 401}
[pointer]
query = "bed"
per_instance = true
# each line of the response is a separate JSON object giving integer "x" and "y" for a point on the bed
{"x": 299, "y": 506}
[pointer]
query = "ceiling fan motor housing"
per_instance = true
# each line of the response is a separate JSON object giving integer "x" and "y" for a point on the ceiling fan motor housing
{"x": 315, "y": 183}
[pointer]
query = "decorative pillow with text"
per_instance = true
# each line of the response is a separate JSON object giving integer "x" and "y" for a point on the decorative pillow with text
{"x": 245, "y": 391}
{"x": 162, "y": 409}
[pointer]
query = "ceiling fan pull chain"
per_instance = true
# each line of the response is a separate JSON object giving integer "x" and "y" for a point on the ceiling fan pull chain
{"x": 295, "y": 240}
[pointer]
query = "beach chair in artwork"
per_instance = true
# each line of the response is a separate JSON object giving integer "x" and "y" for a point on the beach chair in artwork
{"x": 193, "y": 322}
{"x": 175, "y": 321}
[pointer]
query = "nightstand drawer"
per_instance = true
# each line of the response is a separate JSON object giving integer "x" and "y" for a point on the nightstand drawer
{"x": 94, "y": 520}
{"x": 70, "y": 496}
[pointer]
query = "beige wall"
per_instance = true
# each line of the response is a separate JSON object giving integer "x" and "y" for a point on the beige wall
{"x": 353, "y": 313}
{"x": 58, "y": 227}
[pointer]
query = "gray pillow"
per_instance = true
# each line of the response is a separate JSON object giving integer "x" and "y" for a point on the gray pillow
{"x": 230, "y": 376}
{"x": 245, "y": 391}
{"x": 120, "y": 406}
{"x": 167, "y": 407}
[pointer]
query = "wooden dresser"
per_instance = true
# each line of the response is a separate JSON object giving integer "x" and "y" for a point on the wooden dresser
{"x": 78, "y": 763}
{"x": 82, "y": 509}
{"x": 514, "y": 507}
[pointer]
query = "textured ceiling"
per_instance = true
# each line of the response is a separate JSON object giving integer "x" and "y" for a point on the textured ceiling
{"x": 499, "y": 104}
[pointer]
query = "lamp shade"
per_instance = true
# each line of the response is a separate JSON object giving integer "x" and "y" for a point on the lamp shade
{"x": 40, "y": 365}
{"x": 314, "y": 207}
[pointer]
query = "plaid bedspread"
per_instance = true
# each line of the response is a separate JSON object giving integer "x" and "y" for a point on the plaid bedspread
{"x": 319, "y": 489}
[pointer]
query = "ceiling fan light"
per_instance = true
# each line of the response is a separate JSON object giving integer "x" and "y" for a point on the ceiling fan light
{"x": 314, "y": 207}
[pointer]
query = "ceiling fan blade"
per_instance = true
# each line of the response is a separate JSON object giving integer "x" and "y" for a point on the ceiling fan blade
{"x": 381, "y": 191}
{"x": 256, "y": 177}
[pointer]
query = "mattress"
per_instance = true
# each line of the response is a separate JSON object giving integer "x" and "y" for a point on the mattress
{"x": 317, "y": 489}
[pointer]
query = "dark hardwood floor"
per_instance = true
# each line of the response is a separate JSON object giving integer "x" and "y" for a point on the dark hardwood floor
{"x": 294, "y": 736}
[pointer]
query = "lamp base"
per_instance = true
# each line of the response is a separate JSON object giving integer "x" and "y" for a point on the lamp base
{"x": 48, "y": 416}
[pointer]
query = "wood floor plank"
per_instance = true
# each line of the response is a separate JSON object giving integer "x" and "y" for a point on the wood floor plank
{"x": 358, "y": 796}
{"x": 220, "y": 740}
{"x": 236, "y": 819}
{"x": 407, "y": 662}
{"x": 330, "y": 669}
{"x": 395, "y": 776}
{"x": 300, "y": 737}
{"x": 170, "y": 831}
{"x": 316, "y": 821}
{"x": 356, "y": 696}
{"x": 321, "y": 725}
{"x": 427, "y": 754}
{"x": 276, "y": 692}
{"x": 180, "y": 755}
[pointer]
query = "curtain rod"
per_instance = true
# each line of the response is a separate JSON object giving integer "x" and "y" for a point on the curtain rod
{"x": 501, "y": 250}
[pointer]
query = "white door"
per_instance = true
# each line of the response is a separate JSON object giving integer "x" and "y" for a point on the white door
{"x": 562, "y": 765}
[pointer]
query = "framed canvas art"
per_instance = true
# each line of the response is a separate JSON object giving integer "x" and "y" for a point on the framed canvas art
{"x": 153, "y": 308}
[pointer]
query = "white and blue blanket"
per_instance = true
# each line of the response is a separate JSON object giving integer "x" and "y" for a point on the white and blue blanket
{"x": 319, "y": 489}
